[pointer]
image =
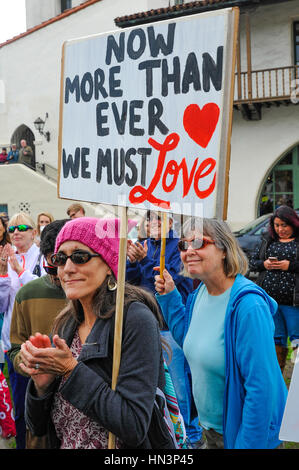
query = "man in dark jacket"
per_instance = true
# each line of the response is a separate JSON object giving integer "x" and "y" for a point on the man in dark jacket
{"x": 142, "y": 259}
{"x": 26, "y": 154}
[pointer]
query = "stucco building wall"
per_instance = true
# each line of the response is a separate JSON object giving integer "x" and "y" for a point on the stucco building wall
{"x": 30, "y": 72}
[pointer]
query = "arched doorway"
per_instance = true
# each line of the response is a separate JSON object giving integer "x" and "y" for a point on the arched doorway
{"x": 24, "y": 132}
{"x": 281, "y": 186}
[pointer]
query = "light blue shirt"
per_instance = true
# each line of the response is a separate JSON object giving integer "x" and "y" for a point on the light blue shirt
{"x": 204, "y": 351}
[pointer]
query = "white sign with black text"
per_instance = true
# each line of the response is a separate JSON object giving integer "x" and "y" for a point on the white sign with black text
{"x": 145, "y": 114}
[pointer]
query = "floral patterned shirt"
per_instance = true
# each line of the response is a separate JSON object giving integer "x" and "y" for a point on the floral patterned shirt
{"x": 281, "y": 284}
{"x": 74, "y": 429}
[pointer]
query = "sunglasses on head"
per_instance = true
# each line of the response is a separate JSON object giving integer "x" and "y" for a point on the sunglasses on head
{"x": 21, "y": 228}
{"x": 77, "y": 257}
{"x": 196, "y": 243}
{"x": 52, "y": 270}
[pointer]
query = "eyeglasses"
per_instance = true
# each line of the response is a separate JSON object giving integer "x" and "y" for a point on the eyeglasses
{"x": 52, "y": 270}
{"x": 196, "y": 243}
{"x": 77, "y": 257}
{"x": 21, "y": 228}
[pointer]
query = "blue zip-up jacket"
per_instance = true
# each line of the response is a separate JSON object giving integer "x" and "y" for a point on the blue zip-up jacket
{"x": 13, "y": 156}
{"x": 255, "y": 391}
{"x": 142, "y": 274}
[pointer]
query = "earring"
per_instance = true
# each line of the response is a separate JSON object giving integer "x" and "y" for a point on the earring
{"x": 112, "y": 284}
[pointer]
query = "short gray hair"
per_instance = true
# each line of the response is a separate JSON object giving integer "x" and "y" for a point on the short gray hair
{"x": 235, "y": 261}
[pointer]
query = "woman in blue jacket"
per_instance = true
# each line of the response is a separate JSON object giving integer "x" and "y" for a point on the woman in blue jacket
{"x": 226, "y": 331}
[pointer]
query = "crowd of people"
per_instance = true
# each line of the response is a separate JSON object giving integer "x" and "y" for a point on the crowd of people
{"x": 203, "y": 347}
{"x": 24, "y": 154}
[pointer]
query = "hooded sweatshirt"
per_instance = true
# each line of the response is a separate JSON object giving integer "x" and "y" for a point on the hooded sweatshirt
{"x": 255, "y": 392}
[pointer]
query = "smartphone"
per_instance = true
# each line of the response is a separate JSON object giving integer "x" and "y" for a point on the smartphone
{"x": 273, "y": 258}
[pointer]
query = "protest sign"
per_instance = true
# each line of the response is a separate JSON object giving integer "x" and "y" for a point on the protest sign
{"x": 145, "y": 122}
{"x": 145, "y": 115}
{"x": 289, "y": 430}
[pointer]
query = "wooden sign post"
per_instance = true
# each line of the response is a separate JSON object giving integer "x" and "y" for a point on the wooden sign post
{"x": 145, "y": 122}
{"x": 163, "y": 242}
{"x": 121, "y": 278}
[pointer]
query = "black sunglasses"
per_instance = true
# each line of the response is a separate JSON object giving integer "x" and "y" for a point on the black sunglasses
{"x": 196, "y": 243}
{"x": 21, "y": 228}
{"x": 77, "y": 257}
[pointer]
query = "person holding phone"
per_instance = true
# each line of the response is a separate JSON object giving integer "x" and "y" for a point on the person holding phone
{"x": 277, "y": 261}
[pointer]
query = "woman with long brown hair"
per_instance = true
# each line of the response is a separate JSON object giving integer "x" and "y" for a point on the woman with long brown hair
{"x": 4, "y": 236}
{"x": 69, "y": 397}
{"x": 277, "y": 262}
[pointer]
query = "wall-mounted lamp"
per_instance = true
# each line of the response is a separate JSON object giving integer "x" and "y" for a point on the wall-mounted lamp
{"x": 39, "y": 125}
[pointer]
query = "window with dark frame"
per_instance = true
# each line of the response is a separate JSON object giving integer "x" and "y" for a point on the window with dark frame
{"x": 66, "y": 5}
{"x": 3, "y": 209}
{"x": 296, "y": 42}
{"x": 281, "y": 184}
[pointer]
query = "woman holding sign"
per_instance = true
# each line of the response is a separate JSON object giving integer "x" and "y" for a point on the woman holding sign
{"x": 69, "y": 397}
{"x": 226, "y": 330}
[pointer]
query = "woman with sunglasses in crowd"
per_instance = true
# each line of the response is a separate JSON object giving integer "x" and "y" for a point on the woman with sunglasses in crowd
{"x": 36, "y": 306}
{"x": 69, "y": 396}
{"x": 4, "y": 239}
{"x": 18, "y": 263}
{"x": 226, "y": 331}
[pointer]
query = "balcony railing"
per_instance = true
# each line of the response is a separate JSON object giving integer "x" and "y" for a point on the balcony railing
{"x": 267, "y": 85}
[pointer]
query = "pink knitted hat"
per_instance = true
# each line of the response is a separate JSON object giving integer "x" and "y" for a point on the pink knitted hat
{"x": 101, "y": 235}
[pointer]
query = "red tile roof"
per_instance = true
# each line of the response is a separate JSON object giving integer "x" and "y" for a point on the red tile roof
{"x": 145, "y": 16}
{"x": 185, "y": 9}
{"x": 50, "y": 21}
{"x": 180, "y": 9}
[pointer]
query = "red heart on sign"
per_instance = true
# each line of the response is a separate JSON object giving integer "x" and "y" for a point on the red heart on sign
{"x": 200, "y": 124}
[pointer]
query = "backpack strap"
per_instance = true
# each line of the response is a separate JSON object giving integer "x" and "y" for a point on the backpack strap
{"x": 174, "y": 410}
{"x": 161, "y": 432}
{"x": 160, "y": 396}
